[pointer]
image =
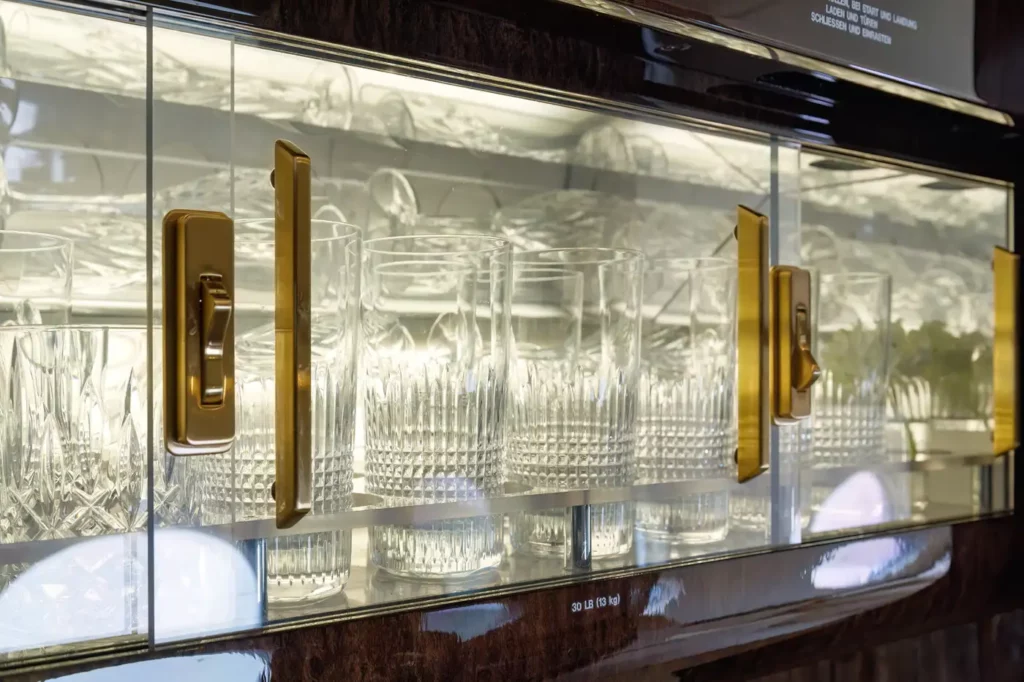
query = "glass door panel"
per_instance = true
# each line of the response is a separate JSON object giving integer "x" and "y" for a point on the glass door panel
{"x": 903, "y": 429}
{"x": 203, "y": 582}
{"x": 426, "y": 480}
{"x": 75, "y": 393}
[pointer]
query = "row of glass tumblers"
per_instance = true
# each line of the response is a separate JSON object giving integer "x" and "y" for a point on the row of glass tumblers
{"x": 558, "y": 369}
{"x": 480, "y": 368}
{"x": 474, "y": 368}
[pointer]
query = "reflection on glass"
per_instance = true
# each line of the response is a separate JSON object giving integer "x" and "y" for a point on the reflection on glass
{"x": 35, "y": 278}
{"x": 861, "y": 500}
{"x": 234, "y": 666}
{"x": 853, "y": 342}
{"x": 96, "y": 589}
{"x": 562, "y": 219}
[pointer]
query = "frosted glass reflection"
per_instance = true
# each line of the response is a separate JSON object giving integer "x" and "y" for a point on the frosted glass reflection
{"x": 98, "y": 589}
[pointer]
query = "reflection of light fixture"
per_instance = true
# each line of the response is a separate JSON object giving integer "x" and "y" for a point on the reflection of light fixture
{"x": 468, "y": 622}
{"x": 204, "y": 668}
{"x": 861, "y": 500}
{"x": 854, "y": 564}
{"x": 98, "y": 589}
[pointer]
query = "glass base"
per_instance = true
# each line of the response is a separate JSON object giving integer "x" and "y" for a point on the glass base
{"x": 444, "y": 550}
{"x": 543, "y": 533}
{"x": 307, "y": 568}
{"x": 697, "y": 519}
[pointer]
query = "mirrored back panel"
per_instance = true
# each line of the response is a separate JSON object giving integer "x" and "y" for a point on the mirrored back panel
{"x": 465, "y": 338}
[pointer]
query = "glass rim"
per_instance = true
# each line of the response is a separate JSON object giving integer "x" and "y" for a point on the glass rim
{"x": 443, "y": 266}
{"x": 616, "y": 255}
{"x": 498, "y": 244}
{"x": 353, "y": 230}
{"x": 713, "y": 263}
{"x": 548, "y": 274}
{"x": 422, "y": 218}
{"x": 859, "y": 276}
{"x": 48, "y": 242}
{"x": 78, "y": 326}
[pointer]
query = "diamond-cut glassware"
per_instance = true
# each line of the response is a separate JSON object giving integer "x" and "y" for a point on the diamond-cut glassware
{"x": 685, "y": 423}
{"x": 576, "y": 416}
{"x": 73, "y": 436}
{"x": 435, "y": 370}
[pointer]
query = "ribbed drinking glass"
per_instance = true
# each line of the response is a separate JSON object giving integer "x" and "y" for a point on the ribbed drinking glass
{"x": 685, "y": 423}
{"x": 547, "y": 315}
{"x": 35, "y": 278}
{"x": 853, "y": 347}
{"x": 436, "y": 348}
{"x": 310, "y": 566}
{"x": 576, "y": 421}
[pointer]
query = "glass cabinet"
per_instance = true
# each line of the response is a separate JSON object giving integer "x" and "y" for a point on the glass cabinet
{"x": 290, "y": 331}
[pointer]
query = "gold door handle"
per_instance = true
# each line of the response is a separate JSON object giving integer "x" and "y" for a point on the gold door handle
{"x": 216, "y": 318}
{"x": 776, "y": 368}
{"x": 199, "y": 358}
{"x": 793, "y": 368}
{"x": 1006, "y": 276}
{"x": 752, "y": 344}
{"x": 293, "y": 487}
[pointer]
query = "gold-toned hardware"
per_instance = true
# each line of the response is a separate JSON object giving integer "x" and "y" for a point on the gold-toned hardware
{"x": 1006, "y": 282}
{"x": 752, "y": 344}
{"x": 293, "y": 494}
{"x": 216, "y": 318}
{"x": 793, "y": 367}
{"x": 199, "y": 355}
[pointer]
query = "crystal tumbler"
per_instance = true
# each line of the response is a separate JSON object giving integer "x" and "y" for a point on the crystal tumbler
{"x": 576, "y": 408}
{"x": 35, "y": 278}
{"x": 304, "y": 567}
{"x": 435, "y": 370}
{"x": 685, "y": 422}
{"x": 853, "y": 346}
{"x": 73, "y": 436}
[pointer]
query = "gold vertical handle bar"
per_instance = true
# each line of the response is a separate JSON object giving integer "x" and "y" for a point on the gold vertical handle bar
{"x": 1006, "y": 276}
{"x": 752, "y": 344}
{"x": 293, "y": 494}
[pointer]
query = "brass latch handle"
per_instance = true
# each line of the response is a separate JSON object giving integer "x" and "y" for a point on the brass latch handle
{"x": 806, "y": 370}
{"x": 217, "y": 307}
{"x": 198, "y": 332}
{"x": 793, "y": 368}
{"x": 293, "y": 487}
{"x": 1006, "y": 292}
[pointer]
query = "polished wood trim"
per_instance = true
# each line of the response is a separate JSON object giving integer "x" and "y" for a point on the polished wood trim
{"x": 571, "y": 49}
{"x": 669, "y": 624}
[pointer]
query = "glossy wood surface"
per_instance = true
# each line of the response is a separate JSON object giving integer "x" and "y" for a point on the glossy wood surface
{"x": 572, "y": 49}
{"x": 664, "y": 627}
